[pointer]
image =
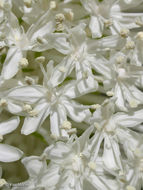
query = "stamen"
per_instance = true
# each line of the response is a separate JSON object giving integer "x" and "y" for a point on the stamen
{"x": 108, "y": 23}
{"x": 29, "y": 80}
{"x": 92, "y": 165}
{"x": 53, "y": 5}
{"x": 140, "y": 35}
{"x": 40, "y": 40}
{"x": 59, "y": 21}
{"x": 72, "y": 131}
{"x": 33, "y": 113}
{"x": 120, "y": 59}
{"x": 110, "y": 93}
{"x": 130, "y": 45}
{"x": 139, "y": 22}
{"x": 3, "y": 102}
{"x": 62, "y": 69}
{"x": 59, "y": 18}
{"x": 40, "y": 59}
{"x": 124, "y": 33}
{"x": 133, "y": 103}
{"x": 59, "y": 27}
{"x": 28, "y": 3}
{"x": 23, "y": 62}
{"x": 66, "y": 125}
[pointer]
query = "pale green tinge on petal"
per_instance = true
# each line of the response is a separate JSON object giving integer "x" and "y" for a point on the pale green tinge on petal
{"x": 9, "y": 153}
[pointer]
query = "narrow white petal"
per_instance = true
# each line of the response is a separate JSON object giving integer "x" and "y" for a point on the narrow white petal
{"x": 29, "y": 94}
{"x": 96, "y": 27}
{"x": 9, "y": 153}
{"x": 9, "y": 125}
{"x": 32, "y": 123}
{"x": 11, "y": 64}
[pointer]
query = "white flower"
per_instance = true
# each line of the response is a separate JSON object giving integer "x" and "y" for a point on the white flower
{"x": 50, "y": 100}
{"x": 134, "y": 168}
{"x": 68, "y": 9}
{"x": 120, "y": 78}
{"x": 77, "y": 171}
{"x": 78, "y": 59}
{"x": 39, "y": 37}
{"x": 113, "y": 129}
{"x": 108, "y": 15}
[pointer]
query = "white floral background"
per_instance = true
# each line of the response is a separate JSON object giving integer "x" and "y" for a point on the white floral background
{"x": 71, "y": 94}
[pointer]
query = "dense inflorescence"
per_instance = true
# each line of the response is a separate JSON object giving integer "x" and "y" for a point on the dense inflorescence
{"x": 71, "y": 94}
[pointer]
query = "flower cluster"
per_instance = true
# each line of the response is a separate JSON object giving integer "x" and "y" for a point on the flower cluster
{"x": 71, "y": 77}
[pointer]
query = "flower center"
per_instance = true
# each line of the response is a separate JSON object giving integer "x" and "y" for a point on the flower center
{"x": 121, "y": 73}
{"x": 51, "y": 96}
{"x": 77, "y": 162}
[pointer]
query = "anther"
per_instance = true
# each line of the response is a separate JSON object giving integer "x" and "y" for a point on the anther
{"x": 59, "y": 18}
{"x": 62, "y": 69}
{"x": 133, "y": 103}
{"x": 130, "y": 45}
{"x": 124, "y": 33}
{"x": 33, "y": 113}
{"x": 40, "y": 59}
{"x": 120, "y": 59}
{"x": 27, "y": 108}
{"x": 92, "y": 165}
{"x": 95, "y": 106}
{"x": 140, "y": 35}
{"x": 28, "y": 3}
{"x": 53, "y": 5}
{"x": 23, "y": 62}
{"x": 110, "y": 93}
{"x": 66, "y": 125}
{"x": 1, "y": 137}
{"x": 108, "y": 23}
{"x": 3, "y": 102}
